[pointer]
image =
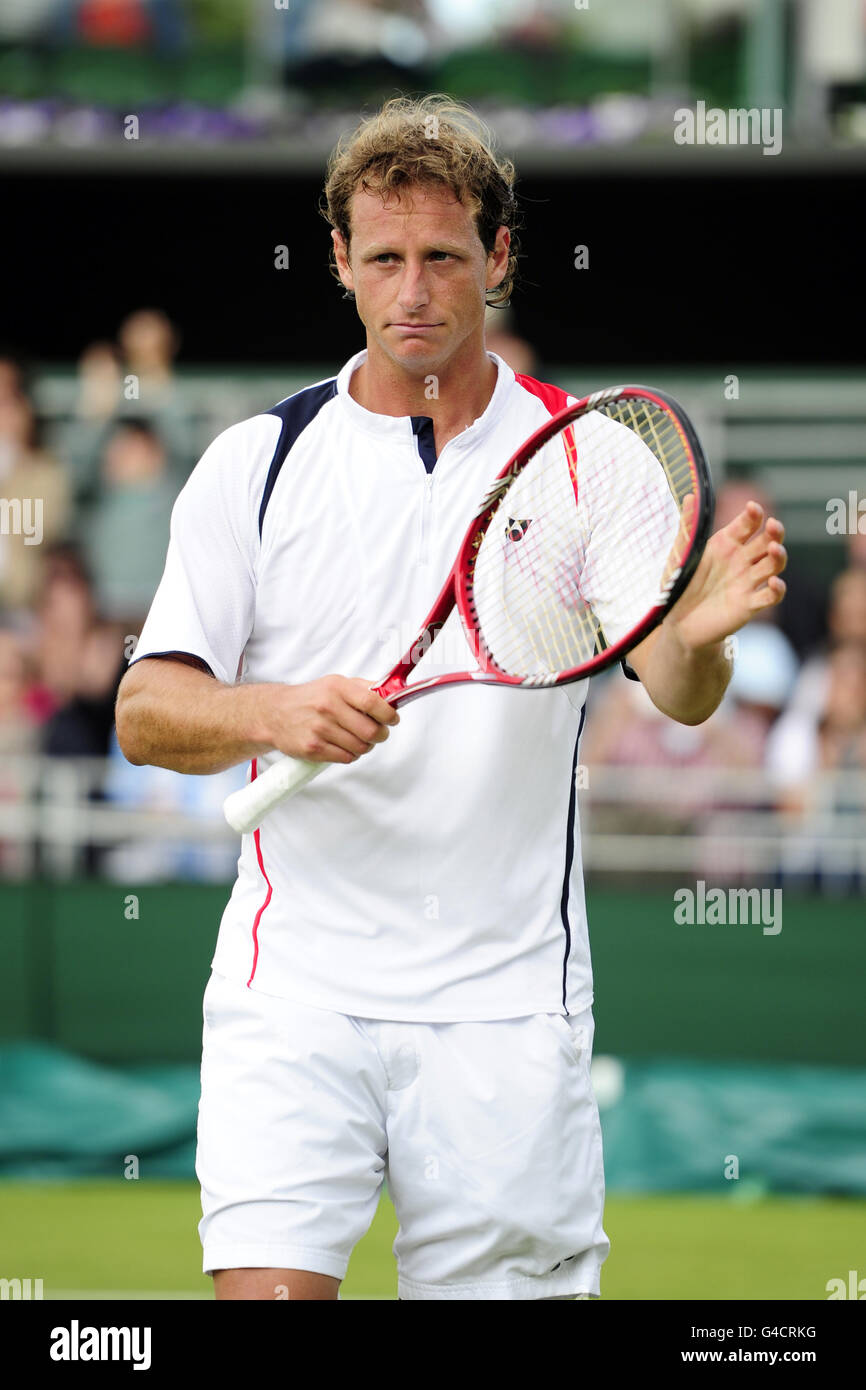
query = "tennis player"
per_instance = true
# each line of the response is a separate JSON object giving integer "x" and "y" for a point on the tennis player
{"x": 401, "y": 988}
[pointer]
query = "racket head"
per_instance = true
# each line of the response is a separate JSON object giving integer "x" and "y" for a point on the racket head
{"x": 620, "y": 473}
{"x": 596, "y": 492}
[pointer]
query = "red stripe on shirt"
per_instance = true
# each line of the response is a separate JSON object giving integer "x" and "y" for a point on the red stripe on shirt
{"x": 555, "y": 399}
{"x": 258, "y": 843}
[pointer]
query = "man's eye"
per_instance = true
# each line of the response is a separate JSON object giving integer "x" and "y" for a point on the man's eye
{"x": 385, "y": 256}
{"x": 441, "y": 255}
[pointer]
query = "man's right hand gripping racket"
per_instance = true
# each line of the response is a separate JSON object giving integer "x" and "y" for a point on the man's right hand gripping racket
{"x": 583, "y": 543}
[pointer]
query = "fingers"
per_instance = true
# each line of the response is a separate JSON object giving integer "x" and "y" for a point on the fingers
{"x": 324, "y": 752}
{"x": 357, "y": 718}
{"x": 772, "y": 593}
{"x": 687, "y": 518}
{"x": 333, "y": 719}
{"x": 772, "y": 562}
{"x": 362, "y": 698}
{"x": 762, "y": 543}
{"x": 747, "y": 524}
{"x": 361, "y": 727}
{"x": 770, "y": 536}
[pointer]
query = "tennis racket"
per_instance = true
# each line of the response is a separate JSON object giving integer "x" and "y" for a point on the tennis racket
{"x": 583, "y": 543}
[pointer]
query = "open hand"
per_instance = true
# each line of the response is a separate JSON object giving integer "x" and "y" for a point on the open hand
{"x": 737, "y": 577}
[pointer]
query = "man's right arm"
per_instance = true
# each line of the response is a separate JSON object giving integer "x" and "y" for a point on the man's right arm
{"x": 175, "y": 715}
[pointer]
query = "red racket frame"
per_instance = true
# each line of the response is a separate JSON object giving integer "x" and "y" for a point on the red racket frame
{"x": 457, "y": 589}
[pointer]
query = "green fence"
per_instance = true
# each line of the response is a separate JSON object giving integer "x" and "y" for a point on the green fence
{"x": 80, "y": 973}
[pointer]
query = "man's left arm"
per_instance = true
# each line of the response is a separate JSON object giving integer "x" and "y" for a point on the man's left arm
{"x": 685, "y": 664}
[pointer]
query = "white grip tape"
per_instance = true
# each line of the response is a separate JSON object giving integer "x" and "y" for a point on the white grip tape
{"x": 247, "y": 808}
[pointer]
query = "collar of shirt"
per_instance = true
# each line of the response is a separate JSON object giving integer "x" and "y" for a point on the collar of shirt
{"x": 399, "y": 428}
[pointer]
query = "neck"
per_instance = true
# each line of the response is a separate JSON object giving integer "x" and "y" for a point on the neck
{"x": 453, "y": 395}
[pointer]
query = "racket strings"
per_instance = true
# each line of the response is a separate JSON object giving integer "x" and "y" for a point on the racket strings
{"x": 664, "y": 434}
{"x": 575, "y": 552}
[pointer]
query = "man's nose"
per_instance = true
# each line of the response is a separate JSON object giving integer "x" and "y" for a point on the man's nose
{"x": 413, "y": 293}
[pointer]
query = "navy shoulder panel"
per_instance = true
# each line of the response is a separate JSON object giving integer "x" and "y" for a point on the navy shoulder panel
{"x": 296, "y": 413}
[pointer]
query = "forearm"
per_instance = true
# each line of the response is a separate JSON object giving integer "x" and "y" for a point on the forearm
{"x": 172, "y": 715}
{"x": 687, "y": 683}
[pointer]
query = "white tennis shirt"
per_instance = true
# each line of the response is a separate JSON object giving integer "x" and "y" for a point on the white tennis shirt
{"x": 438, "y": 878}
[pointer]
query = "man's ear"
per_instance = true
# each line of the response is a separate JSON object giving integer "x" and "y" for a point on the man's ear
{"x": 341, "y": 256}
{"x": 497, "y": 261}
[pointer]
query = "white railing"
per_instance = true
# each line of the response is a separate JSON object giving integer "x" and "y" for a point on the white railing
{"x": 639, "y": 821}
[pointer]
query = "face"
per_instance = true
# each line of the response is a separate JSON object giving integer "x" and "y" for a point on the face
{"x": 848, "y": 607}
{"x": 147, "y": 338}
{"x": 419, "y": 272}
{"x": 131, "y": 458}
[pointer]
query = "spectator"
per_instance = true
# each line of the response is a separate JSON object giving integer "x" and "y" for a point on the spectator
{"x": 624, "y": 729}
{"x": 79, "y": 661}
{"x": 18, "y": 739}
{"x": 122, "y": 23}
{"x": 354, "y": 45}
{"x": 99, "y": 398}
{"x": 149, "y": 343}
{"x": 18, "y": 723}
{"x": 801, "y": 616}
{"x": 501, "y": 337}
{"x": 805, "y": 743}
{"x": 35, "y": 497}
{"x": 765, "y": 670}
{"x": 846, "y": 622}
{"x": 12, "y": 381}
{"x": 99, "y": 382}
{"x": 126, "y": 533}
{"x": 857, "y": 547}
{"x": 131, "y": 381}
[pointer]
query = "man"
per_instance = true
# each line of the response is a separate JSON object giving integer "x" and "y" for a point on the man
{"x": 402, "y": 986}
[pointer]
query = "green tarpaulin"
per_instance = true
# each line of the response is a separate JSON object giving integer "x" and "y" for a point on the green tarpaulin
{"x": 668, "y": 1125}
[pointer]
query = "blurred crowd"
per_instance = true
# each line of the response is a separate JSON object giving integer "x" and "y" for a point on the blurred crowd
{"x": 402, "y": 31}
{"x": 83, "y": 533}
{"x": 794, "y": 713}
{"x": 547, "y": 73}
{"x": 84, "y": 522}
{"x": 77, "y": 580}
{"x": 796, "y": 703}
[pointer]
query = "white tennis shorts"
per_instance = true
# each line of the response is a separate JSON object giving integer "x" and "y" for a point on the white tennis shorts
{"x": 487, "y": 1135}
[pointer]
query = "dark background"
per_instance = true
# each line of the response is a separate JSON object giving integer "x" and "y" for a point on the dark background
{"x": 740, "y": 267}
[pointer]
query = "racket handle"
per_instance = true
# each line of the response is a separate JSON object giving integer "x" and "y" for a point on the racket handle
{"x": 247, "y": 808}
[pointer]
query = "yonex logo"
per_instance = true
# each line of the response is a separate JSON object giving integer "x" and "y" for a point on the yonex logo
{"x": 516, "y": 530}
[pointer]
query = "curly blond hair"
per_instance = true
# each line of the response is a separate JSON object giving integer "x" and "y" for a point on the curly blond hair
{"x": 429, "y": 140}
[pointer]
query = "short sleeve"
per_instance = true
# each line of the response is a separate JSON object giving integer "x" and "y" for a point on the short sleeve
{"x": 205, "y": 603}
